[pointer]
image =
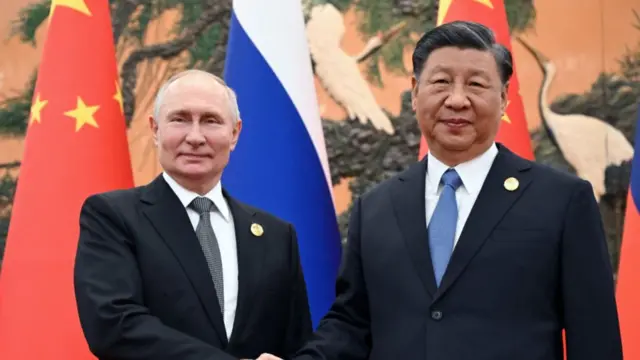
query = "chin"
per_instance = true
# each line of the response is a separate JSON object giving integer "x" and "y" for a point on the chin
{"x": 194, "y": 172}
{"x": 455, "y": 143}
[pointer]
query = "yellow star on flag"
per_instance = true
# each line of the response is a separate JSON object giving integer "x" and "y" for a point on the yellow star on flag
{"x": 505, "y": 116}
{"x": 118, "y": 97}
{"x": 486, "y": 3}
{"x": 442, "y": 10}
{"x": 78, "y": 5}
{"x": 83, "y": 114}
{"x": 36, "y": 110}
{"x": 444, "y": 5}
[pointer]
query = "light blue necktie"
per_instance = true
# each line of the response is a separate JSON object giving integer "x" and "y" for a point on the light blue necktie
{"x": 442, "y": 226}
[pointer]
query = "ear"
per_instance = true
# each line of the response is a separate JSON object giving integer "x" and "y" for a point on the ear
{"x": 153, "y": 125}
{"x": 236, "y": 133}
{"x": 414, "y": 92}
{"x": 504, "y": 97}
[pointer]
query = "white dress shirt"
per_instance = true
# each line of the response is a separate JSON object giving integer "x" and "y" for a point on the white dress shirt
{"x": 222, "y": 223}
{"x": 472, "y": 173}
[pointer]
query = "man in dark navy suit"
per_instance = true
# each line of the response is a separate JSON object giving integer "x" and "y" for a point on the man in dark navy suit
{"x": 178, "y": 269}
{"x": 472, "y": 253}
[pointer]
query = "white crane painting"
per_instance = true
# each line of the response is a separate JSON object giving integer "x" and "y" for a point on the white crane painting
{"x": 338, "y": 72}
{"x": 589, "y": 144}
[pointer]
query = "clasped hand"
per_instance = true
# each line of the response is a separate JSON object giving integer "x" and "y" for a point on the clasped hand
{"x": 268, "y": 357}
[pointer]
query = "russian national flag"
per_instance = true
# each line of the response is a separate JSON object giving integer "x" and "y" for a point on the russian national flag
{"x": 280, "y": 163}
{"x": 628, "y": 290}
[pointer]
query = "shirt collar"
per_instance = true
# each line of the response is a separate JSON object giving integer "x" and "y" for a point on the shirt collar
{"x": 472, "y": 173}
{"x": 187, "y": 196}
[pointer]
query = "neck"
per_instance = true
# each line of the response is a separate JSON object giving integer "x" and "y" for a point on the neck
{"x": 546, "y": 112}
{"x": 197, "y": 185}
{"x": 453, "y": 158}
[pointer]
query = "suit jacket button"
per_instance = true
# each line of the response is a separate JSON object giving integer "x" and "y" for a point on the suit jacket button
{"x": 436, "y": 315}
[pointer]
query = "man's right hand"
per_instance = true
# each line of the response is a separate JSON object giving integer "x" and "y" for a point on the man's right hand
{"x": 268, "y": 357}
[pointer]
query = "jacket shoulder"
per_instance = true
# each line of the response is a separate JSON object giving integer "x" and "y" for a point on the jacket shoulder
{"x": 556, "y": 178}
{"x": 116, "y": 198}
{"x": 383, "y": 187}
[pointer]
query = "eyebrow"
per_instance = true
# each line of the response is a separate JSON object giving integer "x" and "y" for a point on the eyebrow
{"x": 178, "y": 112}
{"x": 187, "y": 113}
{"x": 473, "y": 72}
{"x": 440, "y": 68}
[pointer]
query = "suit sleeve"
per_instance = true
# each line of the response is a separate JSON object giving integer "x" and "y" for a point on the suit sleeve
{"x": 589, "y": 306}
{"x": 344, "y": 332}
{"x": 109, "y": 297}
{"x": 299, "y": 327}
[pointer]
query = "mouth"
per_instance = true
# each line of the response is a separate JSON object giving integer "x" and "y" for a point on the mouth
{"x": 455, "y": 122}
{"x": 194, "y": 156}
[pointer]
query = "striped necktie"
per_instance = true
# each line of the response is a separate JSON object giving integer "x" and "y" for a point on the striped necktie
{"x": 209, "y": 244}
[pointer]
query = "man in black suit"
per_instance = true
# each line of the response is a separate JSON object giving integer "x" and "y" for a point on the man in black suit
{"x": 179, "y": 269}
{"x": 514, "y": 252}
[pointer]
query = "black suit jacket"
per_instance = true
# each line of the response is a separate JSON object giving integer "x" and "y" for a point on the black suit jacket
{"x": 144, "y": 291}
{"x": 529, "y": 263}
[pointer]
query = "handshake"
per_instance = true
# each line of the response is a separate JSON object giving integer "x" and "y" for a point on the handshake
{"x": 266, "y": 357}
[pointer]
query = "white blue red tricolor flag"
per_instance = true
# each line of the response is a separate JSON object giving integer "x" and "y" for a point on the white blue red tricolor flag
{"x": 280, "y": 163}
{"x": 628, "y": 284}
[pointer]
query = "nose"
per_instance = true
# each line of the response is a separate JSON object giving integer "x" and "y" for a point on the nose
{"x": 195, "y": 136}
{"x": 457, "y": 98}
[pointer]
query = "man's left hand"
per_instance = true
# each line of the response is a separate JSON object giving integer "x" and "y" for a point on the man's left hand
{"x": 268, "y": 357}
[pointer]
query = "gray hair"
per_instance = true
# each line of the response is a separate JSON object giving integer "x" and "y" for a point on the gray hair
{"x": 463, "y": 35}
{"x": 231, "y": 95}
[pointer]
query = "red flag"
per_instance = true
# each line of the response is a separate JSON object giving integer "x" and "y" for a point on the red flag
{"x": 627, "y": 289}
{"x": 513, "y": 132}
{"x": 75, "y": 146}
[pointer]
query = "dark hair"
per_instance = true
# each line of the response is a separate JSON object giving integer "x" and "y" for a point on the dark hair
{"x": 463, "y": 35}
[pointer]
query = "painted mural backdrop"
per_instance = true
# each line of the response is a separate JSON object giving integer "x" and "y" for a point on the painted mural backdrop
{"x": 579, "y": 76}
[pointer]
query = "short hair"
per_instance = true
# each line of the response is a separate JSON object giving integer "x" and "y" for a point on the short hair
{"x": 231, "y": 95}
{"x": 463, "y": 35}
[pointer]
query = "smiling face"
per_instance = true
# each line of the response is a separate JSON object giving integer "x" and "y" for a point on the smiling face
{"x": 195, "y": 130}
{"x": 459, "y": 100}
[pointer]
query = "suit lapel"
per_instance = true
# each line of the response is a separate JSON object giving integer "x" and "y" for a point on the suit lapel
{"x": 251, "y": 253}
{"x": 492, "y": 204}
{"x": 408, "y": 197}
{"x": 170, "y": 219}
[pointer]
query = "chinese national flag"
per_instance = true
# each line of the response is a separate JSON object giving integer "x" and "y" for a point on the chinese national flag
{"x": 75, "y": 146}
{"x": 627, "y": 289}
{"x": 513, "y": 132}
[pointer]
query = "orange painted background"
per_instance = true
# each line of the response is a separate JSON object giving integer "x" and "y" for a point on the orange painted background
{"x": 582, "y": 37}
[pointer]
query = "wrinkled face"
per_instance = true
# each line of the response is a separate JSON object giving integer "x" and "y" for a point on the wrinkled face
{"x": 459, "y": 100}
{"x": 195, "y": 129}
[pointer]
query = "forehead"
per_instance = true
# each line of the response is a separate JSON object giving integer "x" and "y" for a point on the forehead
{"x": 195, "y": 94}
{"x": 456, "y": 60}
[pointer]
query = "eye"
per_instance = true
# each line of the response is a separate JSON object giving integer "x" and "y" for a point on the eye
{"x": 211, "y": 120}
{"x": 477, "y": 83}
{"x": 178, "y": 119}
{"x": 440, "y": 81}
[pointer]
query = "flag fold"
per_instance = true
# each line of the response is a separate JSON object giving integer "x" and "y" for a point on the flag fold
{"x": 75, "y": 146}
{"x": 280, "y": 163}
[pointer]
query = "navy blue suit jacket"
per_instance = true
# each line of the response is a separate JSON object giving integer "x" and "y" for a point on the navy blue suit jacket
{"x": 529, "y": 263}
{"x": 144, "y": 291}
